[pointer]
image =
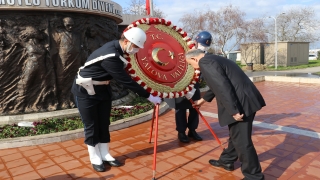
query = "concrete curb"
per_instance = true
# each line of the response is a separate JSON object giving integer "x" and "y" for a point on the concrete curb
{"x": 204, "y": 89}
{"x": 285, "y": 79}
{"x": 11, "y": 119}
{"x": 74, "y": 134}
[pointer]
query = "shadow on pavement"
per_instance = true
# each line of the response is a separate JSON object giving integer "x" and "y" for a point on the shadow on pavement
{"x": 287, "y": 152}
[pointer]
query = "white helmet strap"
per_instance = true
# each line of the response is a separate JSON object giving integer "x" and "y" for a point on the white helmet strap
{"x": 128, "y": 46}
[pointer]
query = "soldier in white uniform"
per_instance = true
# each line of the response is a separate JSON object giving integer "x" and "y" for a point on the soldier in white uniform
{"x": 93, "y": 93}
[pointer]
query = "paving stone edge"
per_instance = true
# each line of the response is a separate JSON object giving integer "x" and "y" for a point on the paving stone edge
{"x": 78, "y": 133}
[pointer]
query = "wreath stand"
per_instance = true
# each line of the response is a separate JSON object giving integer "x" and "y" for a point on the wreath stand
{"x": 155, "y": 116}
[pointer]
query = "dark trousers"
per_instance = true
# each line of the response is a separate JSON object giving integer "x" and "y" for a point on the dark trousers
{"x": 241, "y": 146}
{"x": 181, "y": 119}
{"x": 95, "y": 115}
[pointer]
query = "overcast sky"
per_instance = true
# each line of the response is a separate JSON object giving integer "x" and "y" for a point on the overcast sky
{"x": 175, "y": 9}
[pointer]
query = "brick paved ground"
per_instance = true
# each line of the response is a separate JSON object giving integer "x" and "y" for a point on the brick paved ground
{"x": 284, "y": 153}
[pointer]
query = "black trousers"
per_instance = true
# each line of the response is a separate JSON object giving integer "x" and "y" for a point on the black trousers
{"x": 95, "y": 115}
{"x": 241, "y": 146}
{"x": 181, "y": 119}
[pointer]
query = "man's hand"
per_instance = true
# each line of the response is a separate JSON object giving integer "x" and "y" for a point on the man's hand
{"x": 199, "y": 103}
{"x": 154, "y": 99}
{"x": 238, "y": 117}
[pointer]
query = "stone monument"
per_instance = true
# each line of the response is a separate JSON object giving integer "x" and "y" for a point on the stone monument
{"x": 42, "y": 45}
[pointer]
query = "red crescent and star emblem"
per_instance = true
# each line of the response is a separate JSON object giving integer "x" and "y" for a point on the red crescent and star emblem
{"x": 160, "y": 67}
{"x": 162, "y": 59}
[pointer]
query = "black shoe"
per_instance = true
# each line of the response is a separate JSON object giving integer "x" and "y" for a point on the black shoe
{"x": 114, "y": 163}
{"x": 228, "y": 167}
{"x": 194, "y": 135}
{"x": 99, "y": 168}
{"x": 183, "y": 137}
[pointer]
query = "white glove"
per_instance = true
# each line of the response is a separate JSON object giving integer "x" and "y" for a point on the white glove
{"x": 154, "y": 99}
{"x": 190, "y": 93}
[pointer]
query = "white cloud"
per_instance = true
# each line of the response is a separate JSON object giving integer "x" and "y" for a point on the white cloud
{"x": 175, "y": 9}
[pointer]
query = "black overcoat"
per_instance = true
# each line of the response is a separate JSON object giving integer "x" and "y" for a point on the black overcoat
{"x": 233, "y": 90}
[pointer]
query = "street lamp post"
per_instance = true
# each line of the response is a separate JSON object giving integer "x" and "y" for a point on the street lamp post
{"x": 275, "y": 41}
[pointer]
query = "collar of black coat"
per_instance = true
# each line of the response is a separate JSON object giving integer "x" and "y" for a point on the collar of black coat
{"x": 118, "y": 47}
{"x": 207, "y": 54}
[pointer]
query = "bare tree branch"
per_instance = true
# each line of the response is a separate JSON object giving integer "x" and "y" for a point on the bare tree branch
{"x": 138, "y": 7}
{"x": 193, "y": 23}
{"x": 297, "y": 24}
{"x": 226, "y": 25}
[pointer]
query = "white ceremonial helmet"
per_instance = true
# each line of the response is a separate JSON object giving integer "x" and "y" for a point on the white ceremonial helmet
{"x": 136, "y": 35}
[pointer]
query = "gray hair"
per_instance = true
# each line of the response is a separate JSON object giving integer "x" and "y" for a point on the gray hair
{"x": 193, "y": 53}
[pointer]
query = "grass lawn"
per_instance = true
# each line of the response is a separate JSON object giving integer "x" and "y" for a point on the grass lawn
{"x": 239, "y": 64}
{"x": 313, "y": 63}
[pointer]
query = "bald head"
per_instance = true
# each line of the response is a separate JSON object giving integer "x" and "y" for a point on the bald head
{"x": 193, "y": 56}
{"x": 193, "y": 53}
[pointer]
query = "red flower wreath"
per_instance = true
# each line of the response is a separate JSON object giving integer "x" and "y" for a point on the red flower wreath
{"x": 133, "y": 74}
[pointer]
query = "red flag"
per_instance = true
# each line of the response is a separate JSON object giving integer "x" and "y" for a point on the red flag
{"x": 148, "y": 7}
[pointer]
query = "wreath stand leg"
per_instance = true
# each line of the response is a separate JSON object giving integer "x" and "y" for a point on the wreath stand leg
{"x": 155, "y": 114}
{"x": 152, "y": 121}
{"x": 206, "y": 123}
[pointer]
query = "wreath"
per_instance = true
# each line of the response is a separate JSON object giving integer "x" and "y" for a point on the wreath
{"x": 148, "y": 84}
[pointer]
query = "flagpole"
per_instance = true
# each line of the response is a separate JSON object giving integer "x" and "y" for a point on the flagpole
{"x": 151, "y": 8}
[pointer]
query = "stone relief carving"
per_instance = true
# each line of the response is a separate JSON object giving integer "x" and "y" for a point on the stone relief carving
{"x": 2, "y": 38}
{"x": 93, "y": 42}
{"x": 68, "y": 52}
{"x": 37, "y": 78}
{"x": 40, "y": 53}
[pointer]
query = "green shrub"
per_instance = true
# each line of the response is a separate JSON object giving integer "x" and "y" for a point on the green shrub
{"x": 53, "y": 125}
{"x": 202, "y": 84}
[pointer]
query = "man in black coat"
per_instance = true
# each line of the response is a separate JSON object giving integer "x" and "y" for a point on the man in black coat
{"x": 182, "y": 122}
{"x": 238, "y": 100}
{"x": 202, "y": 41}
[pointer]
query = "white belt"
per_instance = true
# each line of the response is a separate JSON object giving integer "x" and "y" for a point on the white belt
{"x": 88, "y": 83}
{"x": 100, "y": 82}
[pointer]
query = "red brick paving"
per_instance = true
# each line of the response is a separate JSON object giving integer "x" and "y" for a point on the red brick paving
{"x": 282, "y": 155}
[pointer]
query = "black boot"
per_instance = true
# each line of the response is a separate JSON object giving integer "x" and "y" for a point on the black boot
{"x": 193, "y": 134}
{"x": 114, "y": 163}
{"x": 217, "y": 163}
{"x": 183, "y": 137}
{"x": 99, "y": 168}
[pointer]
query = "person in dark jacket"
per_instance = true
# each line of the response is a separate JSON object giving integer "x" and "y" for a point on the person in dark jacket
{"x": 238, "y": 100}
{"x": 202, "y": 41}
{"x": 93, "y": 93}
{"x": 182, "y": 122}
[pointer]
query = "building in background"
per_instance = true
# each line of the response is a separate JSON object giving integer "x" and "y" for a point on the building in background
{"x": 289, "y": 53}
{"x": 314, "y": 54}
{"x": 234, "y": 56}
{"x": 252, "y": 53}
{"x": 127, "y": 20}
